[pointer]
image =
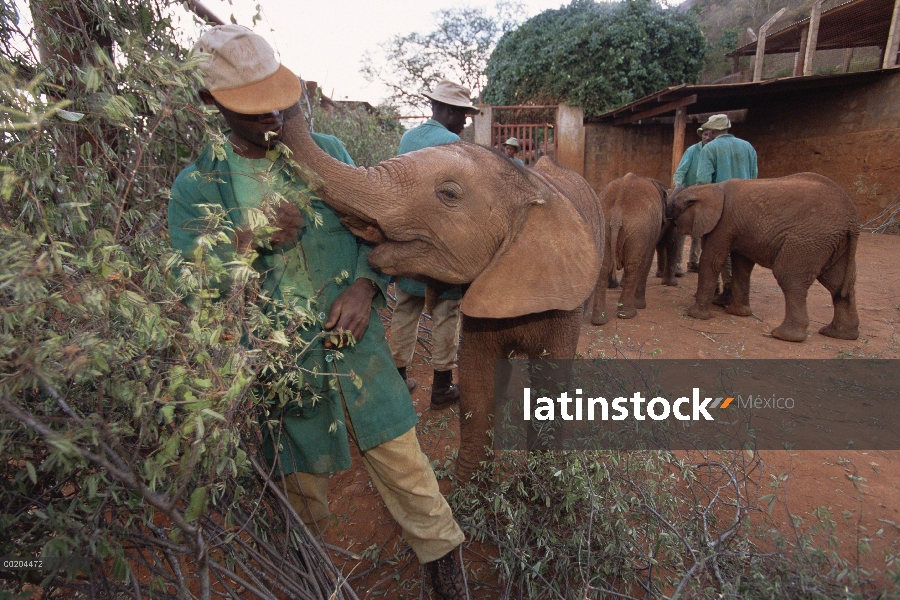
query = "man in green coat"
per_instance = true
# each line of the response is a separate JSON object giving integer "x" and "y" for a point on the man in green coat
{"x": 317, "y": 264}
{"x": 450, "y": 104}
{"x": 725, "y": 157}
{"x": 686, "y": 176}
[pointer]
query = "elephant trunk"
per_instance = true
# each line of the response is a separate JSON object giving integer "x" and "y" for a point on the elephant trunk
{"x": 362, "y": 193}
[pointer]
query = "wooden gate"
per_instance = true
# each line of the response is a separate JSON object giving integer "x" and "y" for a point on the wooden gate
{"x": 533, "y": 126}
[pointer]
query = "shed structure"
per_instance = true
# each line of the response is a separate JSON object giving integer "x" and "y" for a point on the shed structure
{"x": 844, "y": 125}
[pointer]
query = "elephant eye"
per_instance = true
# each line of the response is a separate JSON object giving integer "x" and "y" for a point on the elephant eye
{"x": 449, "y": 193}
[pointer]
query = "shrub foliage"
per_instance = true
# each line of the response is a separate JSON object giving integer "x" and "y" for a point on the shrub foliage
{"x": 595, "y": 55}
{"x": 128, "y": 422}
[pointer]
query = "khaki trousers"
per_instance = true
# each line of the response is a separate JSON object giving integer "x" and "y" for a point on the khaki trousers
{"x": 403, "y": 476}
{"x": 444, "y": 332}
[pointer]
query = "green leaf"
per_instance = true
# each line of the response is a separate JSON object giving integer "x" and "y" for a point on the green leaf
{"x": 70, "y": 116}
{"x": 197, "y": 505}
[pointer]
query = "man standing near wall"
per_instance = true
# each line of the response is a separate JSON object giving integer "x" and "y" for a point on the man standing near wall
{"x": 686, "y": 176}
{"x": 725, "y": 157}
{"x": 450, "y": 104}
{"x": 511, "y": 149}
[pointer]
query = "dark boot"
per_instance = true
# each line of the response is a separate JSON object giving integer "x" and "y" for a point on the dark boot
{"x": 725, "y": 298}
{"x": 443, "y": 391}
{"x": 446, "y": 578}
{"x": 410, "y": 383}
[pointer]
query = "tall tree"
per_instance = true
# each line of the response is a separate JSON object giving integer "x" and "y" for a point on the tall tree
{"x": 595, "y": 55}
{"x": 458, "y": 49}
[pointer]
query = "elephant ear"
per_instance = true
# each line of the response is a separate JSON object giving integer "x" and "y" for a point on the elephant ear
{"x": 552, "y": 263}
{"x": 703, "y": 209}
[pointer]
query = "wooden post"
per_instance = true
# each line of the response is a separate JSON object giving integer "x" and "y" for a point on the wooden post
{"x": 678, "y": 139}
{"x": 761, "y": 44}
{"x": 893, "y": 41}
{"x": 813, "y": 37}
{"x": 801, "y": 54}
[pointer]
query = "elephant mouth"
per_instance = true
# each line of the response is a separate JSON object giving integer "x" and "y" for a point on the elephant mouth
{"x": 398, "y": 258}
{"x": 367, "y": 230}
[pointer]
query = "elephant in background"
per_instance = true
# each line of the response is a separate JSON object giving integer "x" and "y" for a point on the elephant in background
{"x": 804, "y": 227}
{"x": 526, "y": 243}
{"x": 634, "y": 210}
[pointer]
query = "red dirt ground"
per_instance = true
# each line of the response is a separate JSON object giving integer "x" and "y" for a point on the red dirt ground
{"x": 862, "y": 489}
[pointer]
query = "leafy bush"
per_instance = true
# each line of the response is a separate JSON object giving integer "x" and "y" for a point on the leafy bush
{"x": 128, "y": 422}
{"x": 369, "y": 137}
{"x": 595, "y": 55}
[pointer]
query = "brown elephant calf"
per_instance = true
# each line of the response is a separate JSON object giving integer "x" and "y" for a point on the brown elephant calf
{"x": 804, "y": 227}
{"x": 634, "y": 211}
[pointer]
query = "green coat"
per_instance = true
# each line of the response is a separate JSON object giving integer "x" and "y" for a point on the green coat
{"x": 314, "y": 437}
{"x": 686, "y": 173}
{"x": 724, "y": 158}
{"x": 428, "y": 134}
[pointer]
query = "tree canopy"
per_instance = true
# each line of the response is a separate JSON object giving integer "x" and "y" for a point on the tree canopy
{"x": 458, "y": 49}
{"x": 595, "y": 55}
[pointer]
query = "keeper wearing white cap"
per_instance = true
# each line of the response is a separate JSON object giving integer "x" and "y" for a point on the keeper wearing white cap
{"x": 308, "y": 262}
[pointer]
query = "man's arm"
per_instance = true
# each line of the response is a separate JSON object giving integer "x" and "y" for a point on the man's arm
{"x": 683, "y": 166}
{"x": 706, "y": 167}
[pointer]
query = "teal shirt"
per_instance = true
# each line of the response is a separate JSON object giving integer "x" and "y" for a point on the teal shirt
{"x": 686, "y": 173}
{"x": 518, "y": 160}
{"x": 724, "y": 158}
{"x": 428, "y": 134}
{"x": 314, "y": 436}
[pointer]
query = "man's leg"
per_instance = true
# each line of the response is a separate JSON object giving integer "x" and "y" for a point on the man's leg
{"x": 403, "y": 476}
{"x": 445, "y": 345}
{"x": 405, "y": 331}
{"x": 308, "y": 494}
{"x": 694, "y": 257}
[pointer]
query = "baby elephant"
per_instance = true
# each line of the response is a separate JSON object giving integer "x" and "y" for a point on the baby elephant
{"x": 634, "y": 210}
{"x": 804, "y": 227}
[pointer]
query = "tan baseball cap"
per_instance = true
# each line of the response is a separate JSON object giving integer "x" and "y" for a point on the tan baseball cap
{"x": 453, "y": 94}
{"x": 717, "y": 122}
{"x": 242, "y": 72}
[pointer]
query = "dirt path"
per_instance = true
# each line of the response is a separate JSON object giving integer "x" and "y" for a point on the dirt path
{"x": 860, "y": 489}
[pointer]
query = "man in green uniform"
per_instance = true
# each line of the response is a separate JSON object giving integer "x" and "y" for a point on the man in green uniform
{"x": 511, "y": 149}
{"x": 450, "y": 104}
{"x": 317, "y": 264}
{"x": 725, "y": 157}
{"x": 686, "y": 176}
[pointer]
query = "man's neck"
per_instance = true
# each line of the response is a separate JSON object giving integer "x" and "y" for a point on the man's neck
{"x": 246, "y": 149}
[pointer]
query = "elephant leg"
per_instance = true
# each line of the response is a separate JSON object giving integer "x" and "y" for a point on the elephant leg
{"x": 479, "y": 348}
{"x": 640, "y": 291}
{"x": 599, "y": 314}
{"x": 626, "y": 307}
{"x": 845, "y": 324}
{"x": 796, "y": 318}
{"x": 741, "y": 269}
{"x": 671, "y": 240}
{"x": 711, "y": 260}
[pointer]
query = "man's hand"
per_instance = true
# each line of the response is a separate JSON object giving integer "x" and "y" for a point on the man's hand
{"x": 285, "y": 216}
{"x": 350, "y": 313}
{"x": 289, "y": 221}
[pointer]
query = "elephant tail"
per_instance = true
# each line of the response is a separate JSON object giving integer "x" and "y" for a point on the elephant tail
{"x": 615, "y": 243}
{"x": 850, "y": 271}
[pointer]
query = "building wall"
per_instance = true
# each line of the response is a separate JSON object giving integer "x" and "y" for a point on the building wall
{"x": 851, "y": 135}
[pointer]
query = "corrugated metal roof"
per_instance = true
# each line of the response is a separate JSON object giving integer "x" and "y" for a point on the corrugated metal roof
{"x": 723, "y": 97}
{"x": 854, "y": 24}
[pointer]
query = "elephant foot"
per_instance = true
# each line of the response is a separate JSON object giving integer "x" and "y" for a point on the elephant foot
{"x": 640, "y": 303}
{"x": 698, "y": 311}
{"x": 626, "y": 312}
{"x": 839, "y": 333}
{"x": 669, "y": 282}
{"x": 601, "y": 318}
{"x": 742, "y": 310}
{"x": 789, "y": 333}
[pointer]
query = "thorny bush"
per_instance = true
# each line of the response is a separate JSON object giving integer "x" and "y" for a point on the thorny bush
{"x": 129, "y": 414}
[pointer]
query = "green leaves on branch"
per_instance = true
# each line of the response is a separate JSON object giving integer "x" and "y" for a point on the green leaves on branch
{"x": 595, "y": 55}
